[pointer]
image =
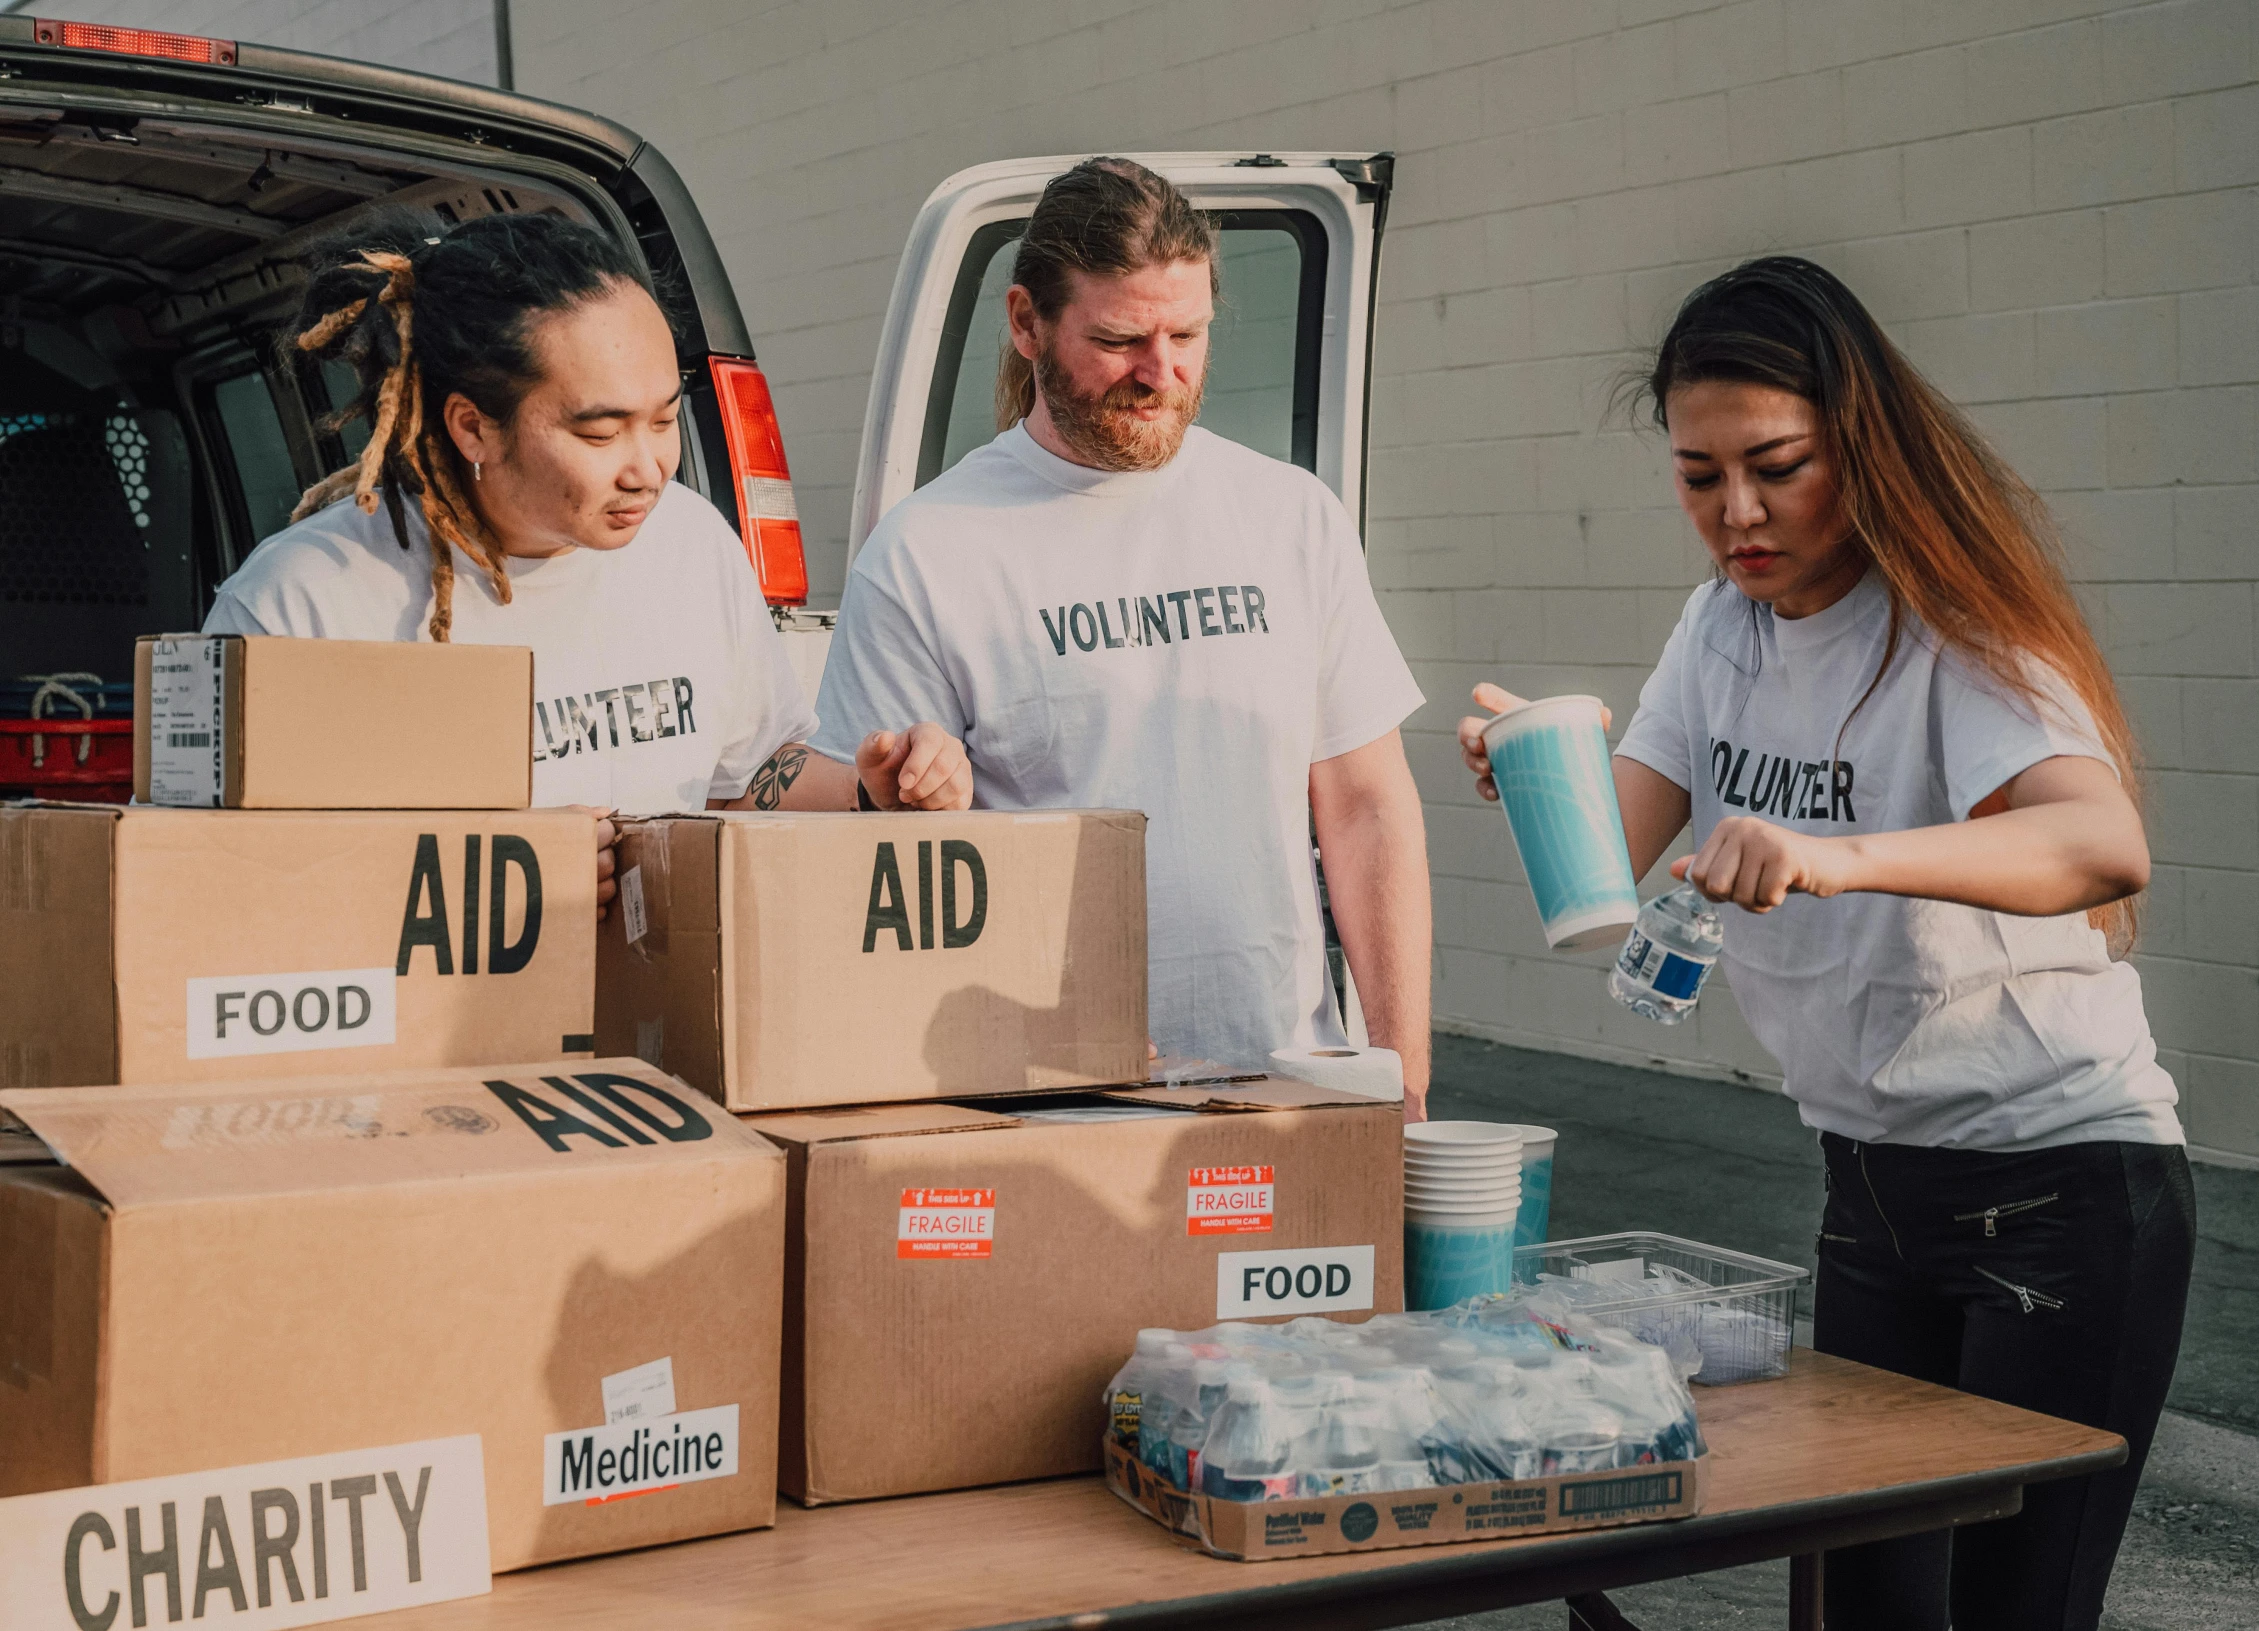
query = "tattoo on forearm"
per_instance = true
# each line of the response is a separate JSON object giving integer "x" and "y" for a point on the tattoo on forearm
{"x": 771, "y": 780}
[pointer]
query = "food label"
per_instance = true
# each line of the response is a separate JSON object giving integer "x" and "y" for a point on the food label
{"x": 593, "y": 1465}
{"x": 1313, "y": 1280}
{"x": 946, "y": 1223}
{"x": 1228, "y": 1201}
{"x": 230, "y": 1014}
{"x": 282, "y": 1543}
{"x": 641, "y": 1393}
{"x": 187, "y": 720}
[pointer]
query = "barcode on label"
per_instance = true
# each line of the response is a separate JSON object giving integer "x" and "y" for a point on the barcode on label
{"x": 189, "y": 739}
{"x": 1620, "y": 1494}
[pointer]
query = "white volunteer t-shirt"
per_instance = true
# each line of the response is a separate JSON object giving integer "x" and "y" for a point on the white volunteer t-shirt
{"x": 1186, "y": 642}
{"x": 1897, "y": 1021}
{"x": 658, "y": 678}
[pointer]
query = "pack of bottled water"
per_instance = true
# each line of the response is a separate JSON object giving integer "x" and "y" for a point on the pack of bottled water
{"x": 1485, "y": 1392}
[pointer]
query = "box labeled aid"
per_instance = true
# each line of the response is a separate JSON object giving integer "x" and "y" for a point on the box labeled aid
{"x": 141, "y": 945}
{"x": 220, "y": 1274}
{"x": 962, "y": 1280}
{"x": 254, "y": 722}
{"x": 795, "y": 960}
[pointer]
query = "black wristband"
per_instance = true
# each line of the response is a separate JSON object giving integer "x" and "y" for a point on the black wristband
{"x": 863, "y": 799}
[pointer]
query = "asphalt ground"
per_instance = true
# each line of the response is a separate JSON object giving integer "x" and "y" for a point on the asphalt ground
{"x": 1733, "y": 1166}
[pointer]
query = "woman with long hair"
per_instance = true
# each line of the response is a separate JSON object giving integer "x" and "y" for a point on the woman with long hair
{"x": 1907, "y": 765}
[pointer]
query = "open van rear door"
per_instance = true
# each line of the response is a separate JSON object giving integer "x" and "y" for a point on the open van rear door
{"x": 1292, "y": 347}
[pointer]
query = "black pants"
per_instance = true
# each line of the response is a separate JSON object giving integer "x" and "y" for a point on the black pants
{"x": 2053, "y": 1280}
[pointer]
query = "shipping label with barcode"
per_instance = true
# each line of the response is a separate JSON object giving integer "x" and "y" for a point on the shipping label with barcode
{"x": 946, "y": 1223}
{"x": 1229, "y": 1200}
{"x": 187, "y": 721}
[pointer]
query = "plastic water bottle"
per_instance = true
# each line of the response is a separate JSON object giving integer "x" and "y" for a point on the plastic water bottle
{"x": 1667, "y": 956}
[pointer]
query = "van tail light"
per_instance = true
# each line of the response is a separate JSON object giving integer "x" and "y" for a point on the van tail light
{"x": 134, "y": 42}
{"x": 768, "y": 519}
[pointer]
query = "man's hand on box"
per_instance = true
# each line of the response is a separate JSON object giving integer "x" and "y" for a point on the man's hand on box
{"x": 922, "y": 768}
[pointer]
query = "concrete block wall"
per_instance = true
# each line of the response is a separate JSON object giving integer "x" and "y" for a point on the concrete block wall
{"x": 2053, "y": 204}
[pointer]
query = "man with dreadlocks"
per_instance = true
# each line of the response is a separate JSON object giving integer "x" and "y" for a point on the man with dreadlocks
{"x": 516, "y": 488}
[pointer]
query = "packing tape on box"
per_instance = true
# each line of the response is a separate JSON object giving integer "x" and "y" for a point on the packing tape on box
{"x": 1376, "y": 1073}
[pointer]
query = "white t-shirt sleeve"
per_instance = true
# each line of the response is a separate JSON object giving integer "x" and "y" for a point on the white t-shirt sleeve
{"x": 1657, "y": 734}
{"x": 769, "y": 710}
{"x": 230, "y": 616}
{"x": 1365, "y": 689}
{"x": 1988, "y": 737}
{"x": 883, "y": 673}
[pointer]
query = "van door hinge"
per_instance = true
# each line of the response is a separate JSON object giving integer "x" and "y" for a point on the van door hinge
{"x": 1261, "y": 161}
{"x": 1371, "y": 177}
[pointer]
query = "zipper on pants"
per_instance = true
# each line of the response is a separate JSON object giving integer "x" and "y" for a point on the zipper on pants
{"x": 2024, "y": 1294}
{"x": 1993, "y": 1214}
{"x": 1877, "y": 1199}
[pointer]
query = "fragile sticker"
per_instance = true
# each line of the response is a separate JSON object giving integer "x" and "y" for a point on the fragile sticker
{"x": 946, "y": 1223}
{"x": 1229, "y": 1201}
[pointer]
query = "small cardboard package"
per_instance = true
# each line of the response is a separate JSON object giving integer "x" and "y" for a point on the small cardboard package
{"x": 961, "y": 1282}
{"x": 141, "y": 945}
{"x": 795, "y": 960}
{"x": 1253, "y": 1531}
{"x": 580, "y": 1263}
{"x": 258, "y": 723}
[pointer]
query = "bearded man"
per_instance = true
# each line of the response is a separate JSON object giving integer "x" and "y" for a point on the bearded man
{"x": 1114, "y": 607}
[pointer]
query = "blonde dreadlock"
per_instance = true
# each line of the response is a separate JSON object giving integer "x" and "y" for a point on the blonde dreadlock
{"x": 398, "y": 444}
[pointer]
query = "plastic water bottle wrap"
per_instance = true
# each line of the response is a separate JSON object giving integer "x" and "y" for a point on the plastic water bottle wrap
{"x": 1496, "y": 1389}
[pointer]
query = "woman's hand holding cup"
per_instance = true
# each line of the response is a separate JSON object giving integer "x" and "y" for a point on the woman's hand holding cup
{"x": 1497, "y": 700}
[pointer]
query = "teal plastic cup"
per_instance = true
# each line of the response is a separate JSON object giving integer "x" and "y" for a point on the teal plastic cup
{"x": 1550, "y": 760}
{"x": 1446, "y": 1266}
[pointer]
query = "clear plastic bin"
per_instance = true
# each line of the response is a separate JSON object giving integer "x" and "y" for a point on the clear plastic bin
{"x": 1741, "y": 1325}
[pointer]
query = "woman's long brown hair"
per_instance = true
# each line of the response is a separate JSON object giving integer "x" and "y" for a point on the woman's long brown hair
{"x": 1960, "y": 542}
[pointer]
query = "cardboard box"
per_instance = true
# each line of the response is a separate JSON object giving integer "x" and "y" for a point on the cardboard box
{"x": 224, "y": 1274}
{"x": 795, "y": 960}
{"x": 142, "y": 945}
{"x": 961, "y": 1282}
{"x": 1255, "y": 1531}
{"x": 256, "y": 723}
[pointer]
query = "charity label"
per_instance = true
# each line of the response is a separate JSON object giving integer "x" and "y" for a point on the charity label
{"x": 1228, "y": 1201}
{"x": 593, "y": 1465}
{"x": 641, "y": 1393}
{"x": 946, "y": 1223}
{"x": 1311, "y": 1280}
{"x": 281, "y": 1543}
{"x": 231, "y": 1014}
{"x": 632, "y": 915}
{"x": 187, "y": 721}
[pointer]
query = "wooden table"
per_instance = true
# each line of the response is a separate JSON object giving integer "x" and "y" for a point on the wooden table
{"x": 1830, "y": 1455}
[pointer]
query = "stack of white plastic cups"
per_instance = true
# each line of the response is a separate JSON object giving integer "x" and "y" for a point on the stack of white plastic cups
{"x": 1462, "y": 1196}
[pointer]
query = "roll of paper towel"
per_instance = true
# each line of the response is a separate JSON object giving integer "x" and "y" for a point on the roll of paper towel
{"x": 1373, "y": 1073}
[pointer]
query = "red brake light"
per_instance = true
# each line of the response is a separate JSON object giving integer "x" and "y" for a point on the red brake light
{"x": 767, "y": 517}
{"x": 135, "y": 42}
